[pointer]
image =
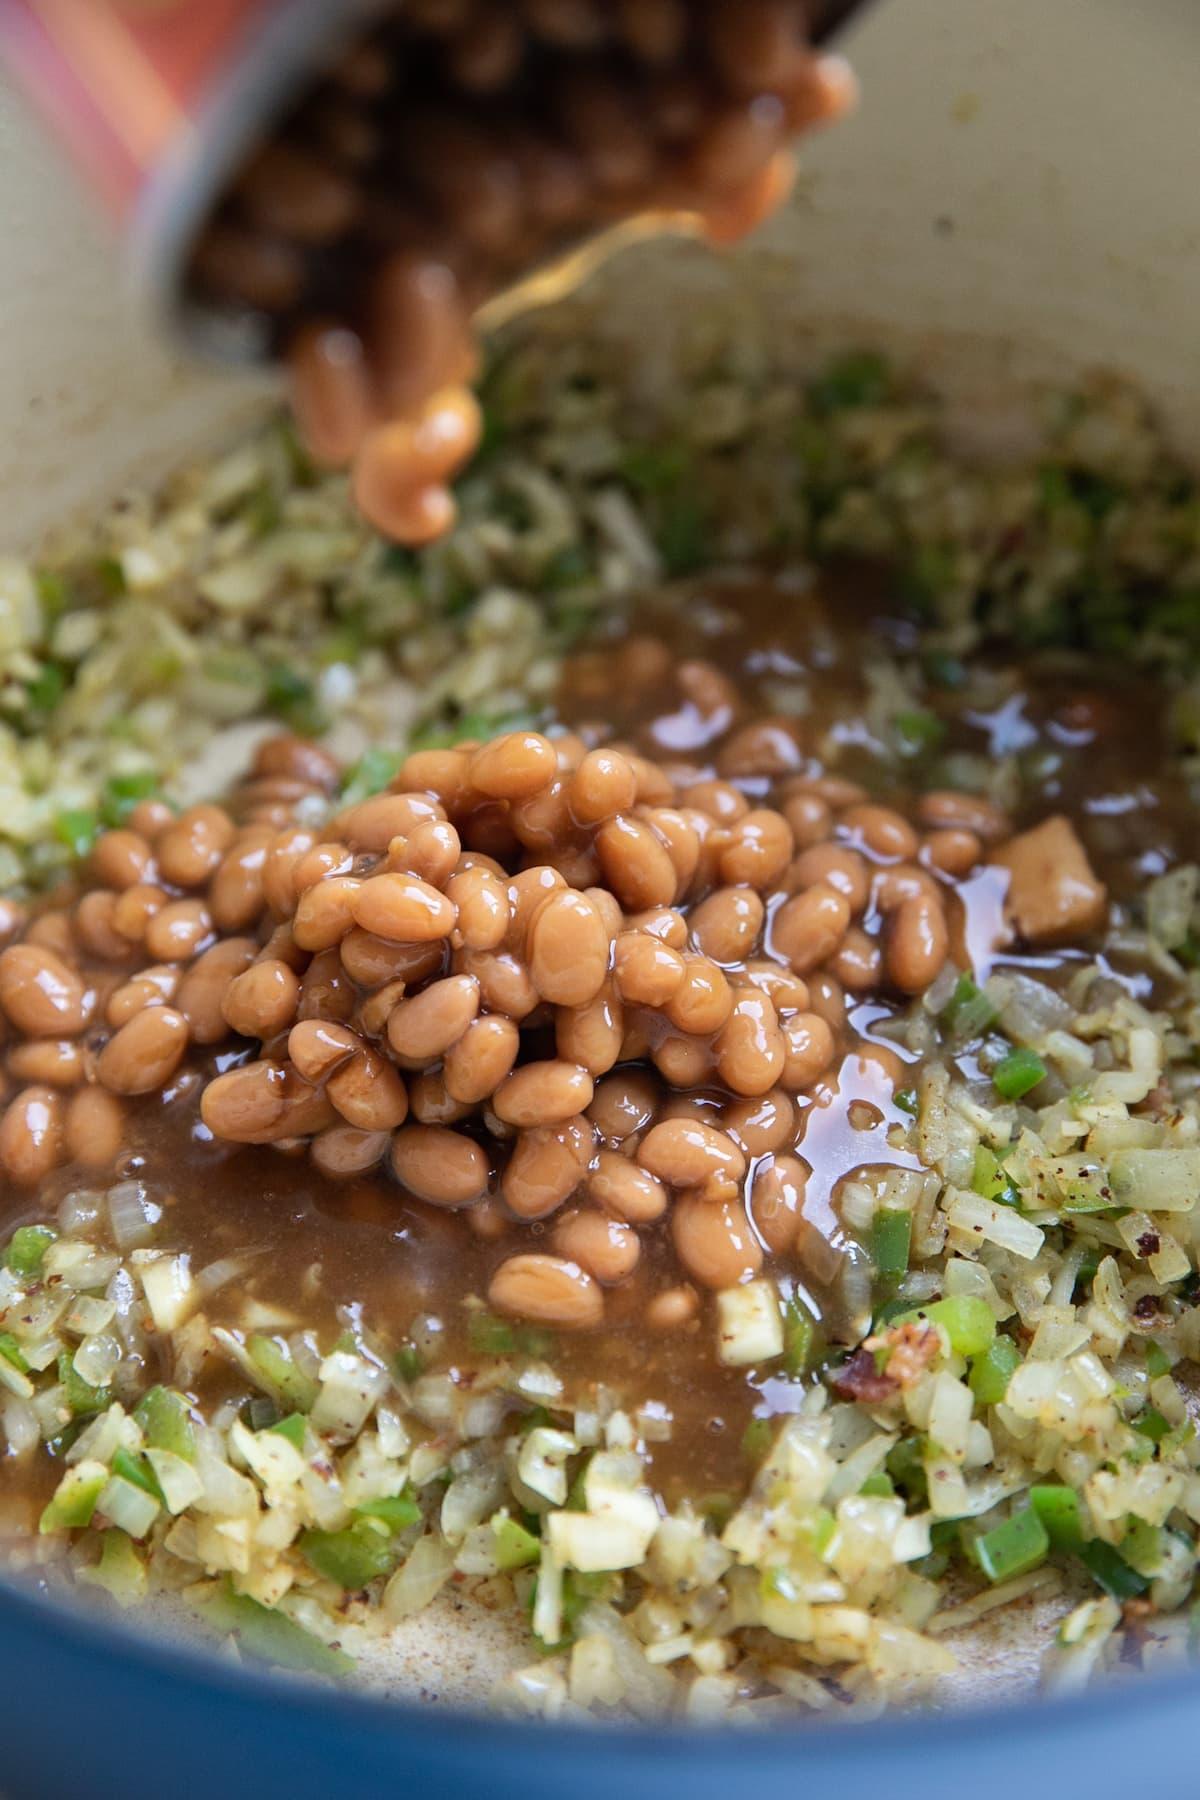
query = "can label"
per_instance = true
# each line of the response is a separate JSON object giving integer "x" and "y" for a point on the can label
{"x": 122, "y": 80}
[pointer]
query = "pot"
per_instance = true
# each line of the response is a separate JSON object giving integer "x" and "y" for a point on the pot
{"x": 1015, "y": 202}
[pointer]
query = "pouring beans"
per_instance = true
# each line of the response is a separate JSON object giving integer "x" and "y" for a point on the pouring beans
{"x": 455, "y": 150}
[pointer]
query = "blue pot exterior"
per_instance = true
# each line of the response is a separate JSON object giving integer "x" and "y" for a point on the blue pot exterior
{"x": 105, "y": 1712}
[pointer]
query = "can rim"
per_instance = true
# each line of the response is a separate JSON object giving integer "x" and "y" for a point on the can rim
{"x": 279, "y": 52}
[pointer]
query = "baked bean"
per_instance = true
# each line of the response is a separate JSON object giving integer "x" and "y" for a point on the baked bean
{"x": 720, "y": 800}
{"x": 626, "y": 1191}
{"x": 262, "y": 1000}
{"x": 880, "y": 830}
{"x": 946, "y": 810}
{"x": 543, "y": 1093}
{"x": 402, "y": 909}
{"x": 144, "y": 1053}
{"x": 95, "y": 929}
{"x": 547, "y": 1164}
{"x": 636, "y": 863}
{"x": 603, "y": 785}
{"x": 260, "y": 1103}
{"x": 682, "y": 843}
{"x": 298, "y": 758}
{"x": 514, "y": 766}
{"x": 606, "y": 1248}
{"x": 325, "y": 993}
{"x": 52, "y": 931}
{"x": 808, "y": 928}
{"x": 343, "y": 1150}
{"x": 284, "y": 851}
{"x": 202, "y": 992}
{"x": 373, "y": 823}
{"x": 592, "y": 1035}
{"x": 326, "y": 911}
{"x": 480, "y": 900}
{"x": 431, "y": 850}
{"x": 904, "y": 881}
{"x": 154, "y": 986}
{"x": 548, "y": 1291}
{"x": 835, "y": 866}
{"x": 725, "y": 927}
{"x": 714, "y": 1241}
{"x": 809, "y": 1047}
{"x": 776, "y": 1200}
{"x": 178, "y": 930}
{"x": 317, "y": 863}
{"x": 503, "y": 981}
{"x": 442, "y": 773}
{"x": 672, "y": 1309}
{"x": 810, "y": 819}
{"x": 31, "y": 1136}
{"x": 235, "y": 893}
{"x": 94, "y": 1128}
{"x": 135, "y": 908}
{"x": 120, "y": 859}
{"x": 918, "y": 943}
{"x": 422, "y": 1029}
{"x": 190, "y": 849}
{"x": 623, "y": 1104}
{"x": 951, "y": 852}
{"x": 417, "y": 332}
{"x": 295, "y": 192}
{"x": 768, "y": 747}
{"x": 150, "y": 819}
{"x": 703, "y": 1000}
{"x": 685, "y": 1153}
{"x": 440, "y": 1166}
{"x": 431, "y": 1103}
{"x": 475, "y": 1065}
{"x": 665, "y": 923}
{"x": 330, "y": 391}
{"x": 750, "y": 1049}
{"x": 788, "y": 992}
{"x": 372, "y": 960}
{"x": 260, "y": 271}
{"x": 528, "y": 892}
{"x": 543, "y": 820}
{"x": 826, "y": 998}
{"x": 369, "y": 1092}
{"x": 568, "y": 949}
{"x": 759, "y": 849}
{"x": 612, "y": 918}
{"x": 761, "y": 1124}
{"x": 646, "y": 972}
{"x": 858, "y": 962}
{"x": 682, "y": 1060}
{"x": 377, "y": 1008}
{"x": 318, "y": 1047}
{"x": 46, "y": 1062}
{"x": 40, "y": 994}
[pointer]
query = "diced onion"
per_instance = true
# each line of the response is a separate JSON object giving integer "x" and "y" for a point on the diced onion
{"x": 132, "y": 1215}
{"x": 96, "y": 1359}
{"x": 419, "y": 1578}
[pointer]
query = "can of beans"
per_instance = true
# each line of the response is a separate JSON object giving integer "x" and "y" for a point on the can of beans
{"x": 275, "y": 162}
{"x": 160, "y": 101}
